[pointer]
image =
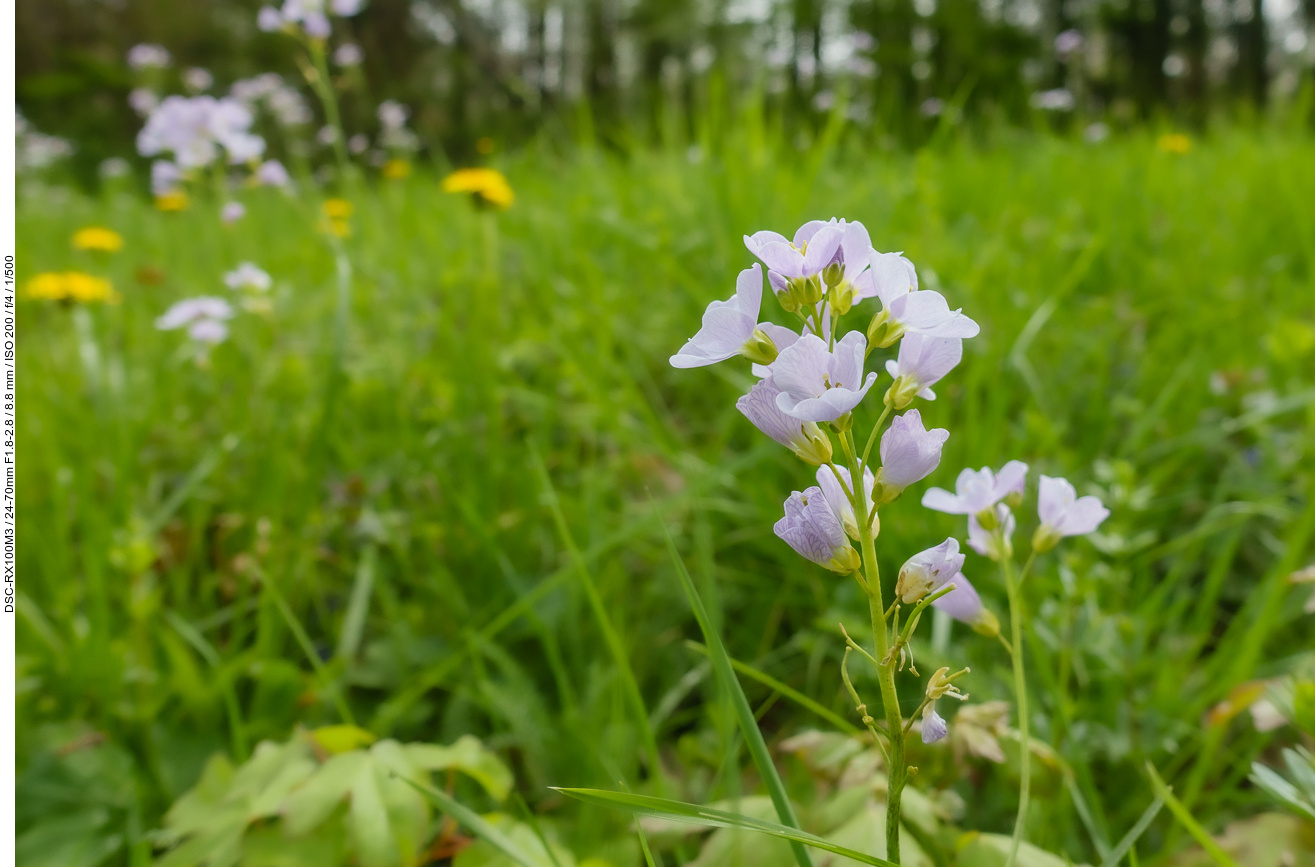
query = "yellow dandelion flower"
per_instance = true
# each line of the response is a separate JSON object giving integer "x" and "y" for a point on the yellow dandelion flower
{"x": 395, "y": 170}
{"x": 172, "y": 201}
{"x": 488, "y": 185}
{"x": 97, "y": 238}
{"x": 339, "y": 228}
{"x": 72, "y": 286}
{"x": 338, "y": 209}
{"x": 1174, "y": 143}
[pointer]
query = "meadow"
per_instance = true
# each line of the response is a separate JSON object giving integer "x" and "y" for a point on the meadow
{"x": 422, "y": 491}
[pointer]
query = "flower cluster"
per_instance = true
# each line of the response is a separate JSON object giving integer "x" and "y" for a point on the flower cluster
{"x": 309, "y": 16}
{"x": 204, "y": 317}
{"x": 196, "y": 130}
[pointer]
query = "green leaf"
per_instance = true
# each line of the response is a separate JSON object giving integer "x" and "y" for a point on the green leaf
{"x": 470, "y": 757}
{"x": 992, "y": 850}
{"x": 371, "y": 830}
{"x": 677, "y": 811}
{"x": 81, "y": 839}
{"x": 314, "y": 801}
{"x": 476, "y": 824}
{"x": 1115, "y": 857}
{"x": 1184, "y": 817}
{"x": 341, "y": 738}
{"x": 541, "y": 852}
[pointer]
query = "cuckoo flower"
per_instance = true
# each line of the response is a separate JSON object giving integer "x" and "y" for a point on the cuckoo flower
{"x": 814, "y": 531}
{"x": 835, "y": 490}
{"x": 805, "y": 439}
{"x": 1063, "y": 513}
{"x": 272, "y": 173}
{"x": 909, "y": 452}
{"x": 247, "y": 275}
{"x": 997, "y": 546}
{"x": 810, "y": 252}
{"x": 963, "y": 604}
{"x": 933, "y": 725}
{"x": 817, "y": 385}
{"x": 731, "y": 328}
{"x": 939, "y": 685}
{"x": 928, "y": 571}
{"x": 203, "y": 317}
{"x": 905, "y": 309}
{"x": 922, "y": 362}
{"x": 977, "y": 491}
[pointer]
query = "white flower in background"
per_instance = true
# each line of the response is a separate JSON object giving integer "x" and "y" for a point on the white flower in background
{"x": 148, "y": 56}
{"x": 165, "y": 177}
{"x": 197, "y": 79}
{"x": 809, "y": 442}
{"x": 143, "y": 100}
{"x": 326, "y": 136}
{"x": 838, "y": 499}
{"x": 272, "y": 173}
{"x": 268, "y": 19}
{"x": 819, "y": 385}
{"x": 730, "y": 328}
{"x": 114, "y": 167}
{"x": 1058, "y": 99}
{"x": 359, "y": 143}
{"x": 232, "y": 212}
{"x": 346, "y": 8}
{"x": 922, "y": 362}
{"x": 1063, "y": 513}
{"x": 348, "y": 54}
{"x": 194, "y": 129}
{"x": 999, "y": 546}
{"x": 203, "y": 317}
{"x": 35, "y": 150}
{"x": 977, "y": 491}
{"x": 247, "y": 275}
{"x": 289, "y": 107}
{"x": 909, "y": 453}
{"x": 251, "y": 90}
{"x": 317, "y": 26}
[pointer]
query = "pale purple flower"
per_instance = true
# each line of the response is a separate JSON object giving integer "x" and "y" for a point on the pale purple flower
{"x": 729, "y": 327}
{"x": 165, "y": 177}
{"x": 814, "y": 531}
{"x": 813, "y": 249}
{"x": 197, "y": 79}
{"x": 251, "y": 90}
{"x": 289, "y": 107}
{"x": 909, "y": 452}
{"x": 904, "y": 308}
{"x": 194, "y": 128}
{"x": 268, "y": 19}
{"x": 805, "y": 439}
{"x": 976, "y": 491}
{"x": 1063, "y": 513}
{"x": 922, "y": 363}
{"x": 208, "y": 331}
{"x": 1068, "y": 42}
{"x": 203, "y": 317}
{"x": 232, "y": 212}
{"x": 272, "y": 173}
{"x": 317, "y": 26}
{"x": 817, "y": 385}
{"x": 933, "y": 725}
{"x": 247, "y": 275}
{"x": 143, "y": 100}
{"x": 346, "y": 8}
{"x": 928, "y": 571}
{"x": 358, "y": 144}
{"x": 996, "y": 545}
{"x": 348, "y": 54}
{"x": 839, "y": 502}
{"x": 393, "y": 115}
{"x": 148, "y": 56}
{"x": 327, "y": 135}
{"x": 962, "y": 603}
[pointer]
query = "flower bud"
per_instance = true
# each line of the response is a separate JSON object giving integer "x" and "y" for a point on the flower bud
{"x": 842, "y": 298}
{"x": 845, "y": 561}
{"x": 1045, "y": 538}
{"x": 901, "y": 392}
{"x": 760, "y": 348}
{"x": 986, "y": 623}
{"x": 883, "y": 331}
{"x": 987, "y": 518}
{"x": 1014, "y": 499}
{"x": 843, "y": 423}
{"x": 833, "y": 274}
{"x": 816, "y": 448}
{"x": 811, "y": 291}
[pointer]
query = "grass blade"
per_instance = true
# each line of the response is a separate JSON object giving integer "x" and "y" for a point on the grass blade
{"x": 474, "y": 822}
{"x": 1116, "y": 855}
{"x": 678, "y": 811}
{"x": 721, "y": 663}
{"x": 353, "y": 623}
{"x": 789, "y": 692}
{"x": 1164, "y": 793}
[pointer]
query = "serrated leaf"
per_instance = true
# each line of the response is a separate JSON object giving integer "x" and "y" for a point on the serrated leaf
{"x": 314, "y": 800}
{"x": 368, "y": 820}
{"x": 662, "y": 808}
{"x": 470, "y": 757}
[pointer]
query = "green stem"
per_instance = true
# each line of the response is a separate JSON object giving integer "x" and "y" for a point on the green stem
{"x": 872, "y": 437}
{"x": 1020, "y": 688}
{"x": 896, "y": 772}
{"x": 323, "y": 86}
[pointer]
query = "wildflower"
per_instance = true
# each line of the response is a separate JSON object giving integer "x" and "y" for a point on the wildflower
{"x": 97, "y": 238}
{"x": 203, "y": 317}
{"x": 338, "y": 209}
{"x": 939, "y": 685}
{"x": 933, "y": 725}
{"x": 922, "y": 362}
{"x": 232, "y": 212}
{"x": 346, "y": 8}
{"x": 392, "y": 114}
{"x": 165, "y": 177}
{"x": 148, "y": 56}
{"x": 195, "y": 129}
{"x": 1064, "y": 514}
{"x": 1174, "y": 143}
{"x": 273, "y": 174}
{"x": 1058, "y": 99}
{"x": 997, "y": 546}
{"x": 268, "y": 19}
{"x": 812, "y": 250}
{"x": 143, "y": 100}
{"x": 72, "y": 286}
{"x": 817, "y": 385}
{"x": 289, "y": 107}
{"x": 317, "y": 25}
{"x": 839, "y": 502}
{"x": 488, "y": 185}
{"x": 814, "y": 531}
{"x": 965, "y": 605}
{"x": 731, "y": 328}
{"x": 114, "y": 167}
{"x": 928, "y": 571}
{"x": 1068, "y": 42}
{"x": 977, "y": 491}
{"x": 396, "y": 169}
{"x": 247, "y": 275}
{"x": 174, "y": 200}
{"x": 809, "y": 442}
{"x": 348, "y": 54}
{"x": 904, "y": 308}
{"x": 909, "y": 452}
{"x": 197, "y": 79}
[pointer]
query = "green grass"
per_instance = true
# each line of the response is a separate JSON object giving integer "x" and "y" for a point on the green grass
{"x": 391, "y": 476}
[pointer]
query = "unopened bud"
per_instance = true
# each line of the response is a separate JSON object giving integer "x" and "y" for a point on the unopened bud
{"x": 901, "y": 393}
{"x": 986, "y": 623}
{"x": 883, "y": 493}
{"x": 914, "y": 583}
{"x": 814, "y": 447}
{"x": 845, "y": 561}
{"x": 986, "y": 517}
{"x": 833, "y": 274}
{"x": 760, "y": 348}
{"x": 1045, "y": 538}
{"x": 842, "y": 298}
{"x": 844, "y": 423}
{"x": 1014, "y": 499}
{"x": 884, "y": 332}
{"x": 812, "y": 291}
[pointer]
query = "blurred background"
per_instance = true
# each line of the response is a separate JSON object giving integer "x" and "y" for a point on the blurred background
{"x": 403, "y": 496}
